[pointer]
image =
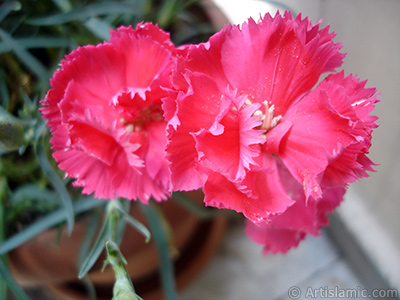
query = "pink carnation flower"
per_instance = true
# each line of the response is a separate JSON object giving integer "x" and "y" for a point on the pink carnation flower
{"x": 243, "y": 109}
{"x": 105, "y": 114}
{"x": 286, "y": 230}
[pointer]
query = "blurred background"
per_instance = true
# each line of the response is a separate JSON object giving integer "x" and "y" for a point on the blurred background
{"x": 361, "y": 248}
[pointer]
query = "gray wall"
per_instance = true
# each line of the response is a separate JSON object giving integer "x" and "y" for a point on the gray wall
{"x": 370, "y": 33}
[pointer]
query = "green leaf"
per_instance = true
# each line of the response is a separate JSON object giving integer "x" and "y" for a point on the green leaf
{"x": 63, "y": 5}
{"x": 4, "y": 95}
{"x": 47, "y": 222}
{"x": 36, "y": 42}
{"x": 26, "y": 58}
{"x": 32, "y": 191}
{"x": 98, "y": 248}
{"x": 85, "y": 250}
{"x": 3, "y": 192}
{"x": 89, "y": 237}
{"x": 11, "y": 132}
{"x": 99, "y": 28}
{"x": 135, "y": 224}
{"x": 85, "y": 12}
{"x": 90, "y": 288}
{"x": 8, "y": 7}
{"x": 200, "y": 211}
{"x": 3, "y": 287}
{"x": 10, "y": 282}
{"x": 167, "y": 12}
{"x": 112, "y": 230}
{"x": 57, "y": 183}
{"x": 161, "y": 240}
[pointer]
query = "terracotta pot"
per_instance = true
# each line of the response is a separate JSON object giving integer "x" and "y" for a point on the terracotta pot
{"x": 42, "y": 262}
{"x": 43, "y": 259}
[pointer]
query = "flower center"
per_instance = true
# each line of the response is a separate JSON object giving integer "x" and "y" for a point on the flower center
{"x": 269, "y": 121}
{"x": 134, "y": 110}
{"x": 136, "y": 119}
{"x": 267, "y": 117}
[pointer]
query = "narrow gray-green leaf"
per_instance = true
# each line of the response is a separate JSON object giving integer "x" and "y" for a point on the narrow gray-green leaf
{"x": 85, "y": 12}
{"x": 11, "y": 283}
{"x": 63, "y": 5}
{"x": 57, "y": 183}
{"x": 26, "y": 58}
{"x": 4, "y": 94}
{"x": 97, "y": 248}
{"x": 3, "y": 192}
{"x": 200, "y": 211}
{"x": 3, "y": 287}
{"x": 89, "y": 288}
{"x": 47, "y": 222}
{"x": 8, "y": 7}
{"x": 89, "y": 237}
{"x": 32, "y": 191}
{"x": 136, "y": 224}
{"x": 167, "y": 12}
{"x": 161, "y": 240}
{"x": 99, "y": 28}
{"x": 36, "y": 42}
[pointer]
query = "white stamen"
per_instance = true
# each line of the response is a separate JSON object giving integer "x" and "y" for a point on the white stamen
{"x": 275, "y": 121}
{"x": 129, "y": 128}
{"x": 358, "y": 102}
{"x": 269, "y": 121}
{"x": 258, "y": 113}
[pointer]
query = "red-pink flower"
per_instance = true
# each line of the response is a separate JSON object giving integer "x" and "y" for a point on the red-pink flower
{"x": 286, "y": 230}
{"x": 105, "y": 114}
{"x": 243, "y": 108}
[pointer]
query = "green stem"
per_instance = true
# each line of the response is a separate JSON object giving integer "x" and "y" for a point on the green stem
{"x": 123, "y": 287}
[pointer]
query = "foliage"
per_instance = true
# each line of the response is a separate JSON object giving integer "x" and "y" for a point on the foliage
{"x": 34, "y": 36}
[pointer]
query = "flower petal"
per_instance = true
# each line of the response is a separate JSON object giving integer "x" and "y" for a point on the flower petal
{"x": 96, "y": 72}
{"x": 317, "y": 137}
{"x": 144, "y": 58}
{"x": 196, "y": 109}
{"x": 157, "y": 168}
{"x": 354, "y": 102}
{"x": 286, "y": 230}
{"x": 274, "y": 240}
{"x": 279, "y": 58}
{"x": 230, "y": 150}
{"x": 259, "y": 196}
{"x": 145, "y": 30}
